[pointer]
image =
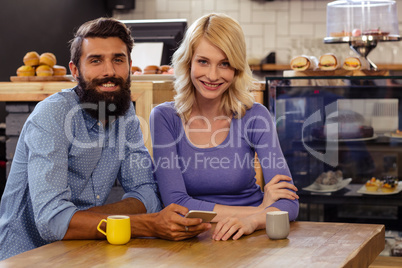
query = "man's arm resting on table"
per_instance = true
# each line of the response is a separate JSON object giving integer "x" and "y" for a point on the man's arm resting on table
{"x": 83, "y": 224}
{"x": 169, "y": 223}
{"x": 122, "y": 207}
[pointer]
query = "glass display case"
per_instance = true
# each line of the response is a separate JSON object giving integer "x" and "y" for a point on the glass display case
{"x": 342, "y": 125}
{"x": 338, "y": 123}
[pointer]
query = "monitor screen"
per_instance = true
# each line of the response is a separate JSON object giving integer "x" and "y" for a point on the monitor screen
{"x": 170, "y": 32}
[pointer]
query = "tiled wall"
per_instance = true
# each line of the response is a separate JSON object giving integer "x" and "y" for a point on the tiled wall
{"x": 287, "y": 27}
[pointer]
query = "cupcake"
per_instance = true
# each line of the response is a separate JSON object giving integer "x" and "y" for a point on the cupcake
{"x": 389, "y": 184}
{"x": 373, "y": 184}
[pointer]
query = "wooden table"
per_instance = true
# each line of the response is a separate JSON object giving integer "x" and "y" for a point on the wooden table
{"x": 310, "y": 244}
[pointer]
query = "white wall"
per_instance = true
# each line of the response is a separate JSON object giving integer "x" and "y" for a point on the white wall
{"x": 288, "y": 27}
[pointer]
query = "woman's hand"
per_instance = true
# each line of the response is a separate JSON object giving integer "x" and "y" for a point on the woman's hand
{"x": 278, "y": 188}
{"x": 235, "y": 227}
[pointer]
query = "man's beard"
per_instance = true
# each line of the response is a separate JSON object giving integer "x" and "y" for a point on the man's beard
{"x": 104, "y": 105}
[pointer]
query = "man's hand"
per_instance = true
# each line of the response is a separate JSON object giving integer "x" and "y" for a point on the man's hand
{"x": 170, "y": 224}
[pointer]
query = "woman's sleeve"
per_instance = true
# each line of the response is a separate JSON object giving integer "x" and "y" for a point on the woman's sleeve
{"x": 263, "y": 137}
{"x": 166, "y": 132}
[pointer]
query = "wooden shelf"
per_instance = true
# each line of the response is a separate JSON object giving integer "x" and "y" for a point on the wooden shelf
{"x": 390, "y": 67}
{"x": 281, "y": 67}
{"x": 270, "y": 67}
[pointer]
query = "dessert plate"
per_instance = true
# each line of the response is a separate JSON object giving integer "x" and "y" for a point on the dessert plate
{"x": 315, "y": 187}
{"x": 389, "y": 135}
{"x": 363, "y": 190}
{"x": 357, "y": 139}
{"x": 345, "y": 140}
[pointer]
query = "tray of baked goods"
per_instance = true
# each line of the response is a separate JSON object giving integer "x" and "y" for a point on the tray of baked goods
{"x": 330, "y": 65}
{"x": 41, "y": 78}
{"x": 40, "y": 68}
{"x": 153, "y": 73}
{"x": 385, "y": 186}
{"x": 394, "y": 135}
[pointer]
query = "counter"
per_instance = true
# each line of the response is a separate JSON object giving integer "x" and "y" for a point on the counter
{"x": 269, "y": 67}
{"x": 145, "y": 94}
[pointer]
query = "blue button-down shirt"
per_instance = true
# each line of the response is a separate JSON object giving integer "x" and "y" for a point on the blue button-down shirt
{"x": 67, "y": 161}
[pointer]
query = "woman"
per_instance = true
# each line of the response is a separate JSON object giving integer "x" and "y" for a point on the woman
{"x": 205, "y": 141}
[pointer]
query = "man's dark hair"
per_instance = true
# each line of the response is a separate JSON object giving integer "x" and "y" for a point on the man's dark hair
{"x": 103, "y": 28}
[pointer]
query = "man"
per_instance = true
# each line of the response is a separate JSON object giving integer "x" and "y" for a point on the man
{"x": 73, "y": 147}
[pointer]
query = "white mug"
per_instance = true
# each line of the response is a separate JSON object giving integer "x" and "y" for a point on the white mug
{"x": 277, "y": 224}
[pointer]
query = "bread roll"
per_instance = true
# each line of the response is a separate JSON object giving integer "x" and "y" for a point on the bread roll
{"x": 152, "y": 69}
{"x": 26, "y": 70}
{"x": 44, "y": 70}
{"x": 135, "y": 69}
{"x": 328, "y": 62}
{"x": 303, "y": 62}
{"x": 47, "y": 58}
{"x": 31, "y": 58}
{"x": 59, "y": 70}
{"x": 165, "y": 69}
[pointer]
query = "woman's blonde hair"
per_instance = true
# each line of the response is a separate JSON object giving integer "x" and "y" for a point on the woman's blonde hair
{"x": 227, "y": 34}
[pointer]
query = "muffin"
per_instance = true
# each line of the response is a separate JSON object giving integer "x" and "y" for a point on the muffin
{"x": 135, "y": 70}
{"x": 152, "y": 69}
{"x": 44, "y": 70}
{"x": 59, "y": 70}
{"x": 26, "y": 70}
{"x": 47, "y": 58}
{"x": 165, "y": 69}
{"x": 31, "y": 58}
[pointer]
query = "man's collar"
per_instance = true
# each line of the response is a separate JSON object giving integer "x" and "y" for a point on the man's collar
{"x": 90, "y": 122}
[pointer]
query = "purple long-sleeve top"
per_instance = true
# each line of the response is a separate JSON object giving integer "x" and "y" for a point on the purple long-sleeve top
{"x": 199, "y": 178}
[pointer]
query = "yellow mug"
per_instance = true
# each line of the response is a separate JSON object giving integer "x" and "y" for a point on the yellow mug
{"x": 118, "y": 229}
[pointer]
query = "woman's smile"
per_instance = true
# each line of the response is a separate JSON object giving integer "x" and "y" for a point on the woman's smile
{"x": 211, "y": 86}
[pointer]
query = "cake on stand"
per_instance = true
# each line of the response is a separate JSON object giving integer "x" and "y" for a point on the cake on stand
{"x": 362, "y": 24}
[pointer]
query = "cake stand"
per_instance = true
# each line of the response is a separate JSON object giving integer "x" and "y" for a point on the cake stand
{"x": 363, "y": 44}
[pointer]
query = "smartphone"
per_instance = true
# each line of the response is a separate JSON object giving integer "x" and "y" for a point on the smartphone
{"x": 206, "y": 216}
